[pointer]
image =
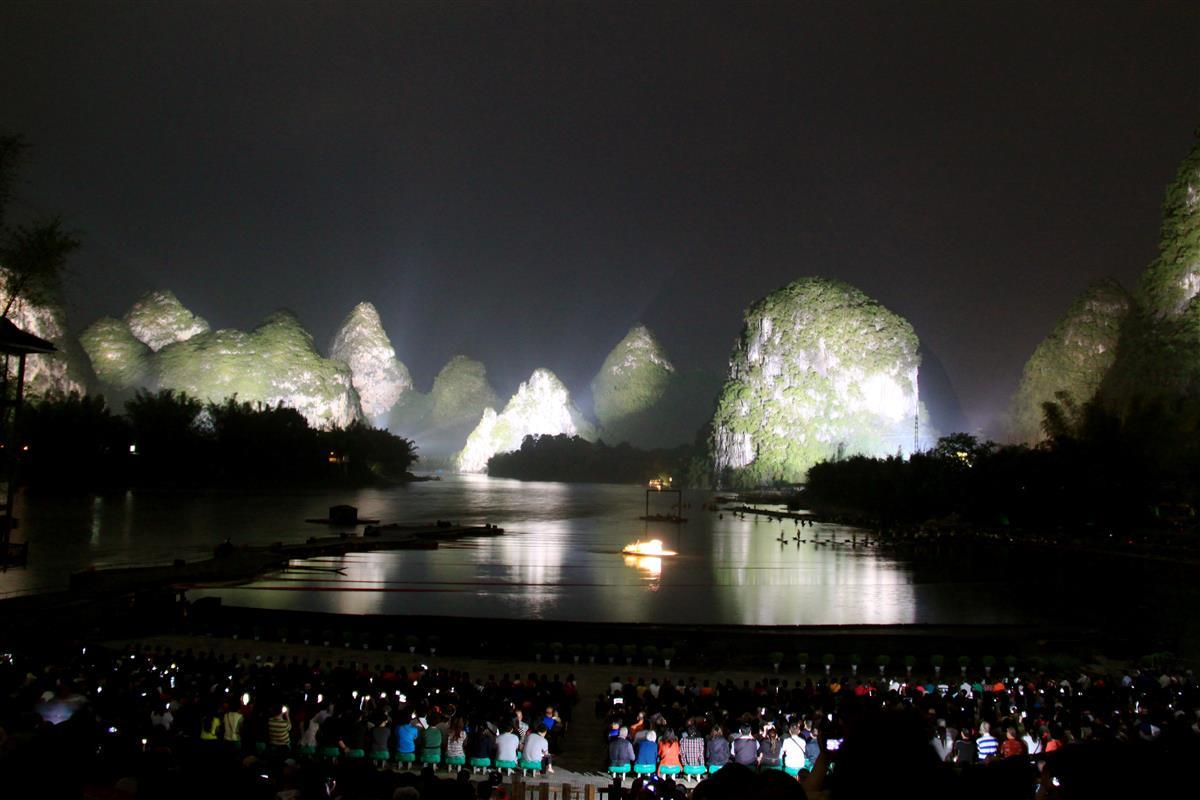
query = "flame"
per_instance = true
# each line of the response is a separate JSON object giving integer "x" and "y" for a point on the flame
{"x": 653, "y": 548}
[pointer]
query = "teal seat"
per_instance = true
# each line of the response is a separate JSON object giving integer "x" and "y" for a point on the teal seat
{"x": 768, "y": 767}
{"x": 533, "y": 765}
{"x": 480, "y": 762}
{"x": 380, "y": 755}
{"x": 356, "y": 753}
{"x": 330, "y": 752}
{"x": 406, "y": 758}
{"x": 793, "y": 771}
{"x": 644, "y": 769}
{"x": 308, "y": 750}
{"x": 431, "y": 755}
{"x": 714, "y": 768}
{"x": 456, "y": 761}
{"x": 619, "y": 769}
{"x": 260, "y": 747}
{"x": 506, "y": 765}
{"x": 688, "y": 769}
{"x": 670, "y": 770}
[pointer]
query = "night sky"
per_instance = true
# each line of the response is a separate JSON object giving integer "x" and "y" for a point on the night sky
{"x": 521, "y": 182}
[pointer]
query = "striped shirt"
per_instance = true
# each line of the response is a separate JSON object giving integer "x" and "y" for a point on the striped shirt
{"x": 279, "y": 732}
{"x": 691, "y": 751}
{"x": 986, "y": 745}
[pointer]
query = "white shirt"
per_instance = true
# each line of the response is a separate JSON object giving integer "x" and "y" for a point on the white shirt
{"x": 536, "y": 747}
{"x": 506, "y": 747}
{"x": 793, "y": 752}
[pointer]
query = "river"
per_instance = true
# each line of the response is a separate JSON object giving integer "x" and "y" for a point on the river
{"x": 560, "y": 558}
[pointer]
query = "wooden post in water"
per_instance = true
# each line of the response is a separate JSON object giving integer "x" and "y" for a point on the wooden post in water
{"x": 518, "y": 789}
{"x": 589, "y": 791}
{"x": 566, "y": 792}
{"x": 544, "y": 792}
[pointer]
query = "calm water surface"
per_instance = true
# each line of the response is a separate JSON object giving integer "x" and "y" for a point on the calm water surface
{"x": 560, "y": 558}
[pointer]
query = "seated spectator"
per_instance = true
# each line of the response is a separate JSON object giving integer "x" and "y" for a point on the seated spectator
{"x": 507, "y": 744}
{"x": 620, "y": 750}
{"x": 792, "y": 751}
{"x": 745, "y": 747}
{"x": 668, "y": 750}
{"x": 647, "y": 750}
{"x": 407, "y": 734}
{"x": 691, "y": 748}
{"x": 537, "y": 748}
{"x": 717, "y": 751}
{"x": 770, "y": 749}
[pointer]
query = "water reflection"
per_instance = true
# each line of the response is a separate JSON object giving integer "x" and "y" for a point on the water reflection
{"x": 560, "y": 558}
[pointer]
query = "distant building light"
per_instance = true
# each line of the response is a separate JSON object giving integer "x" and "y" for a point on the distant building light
{"x": 133, "y": 449}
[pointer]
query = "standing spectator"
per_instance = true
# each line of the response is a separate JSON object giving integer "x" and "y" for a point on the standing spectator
{"x": 986, "y": 744}
{"x": 943, "y": 741}
{"x": 520, "y": 726}
{"x": 231, "y": 721}
{"x": 279, "y": 729}
{"x": 964, "y": 749}
{"x": 1012, "y": 746}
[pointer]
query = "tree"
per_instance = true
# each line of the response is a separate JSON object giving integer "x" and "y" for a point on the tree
{"x": 33, "y": 255}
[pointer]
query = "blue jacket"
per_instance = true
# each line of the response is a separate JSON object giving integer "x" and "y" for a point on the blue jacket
{"x": 647, "y": 752}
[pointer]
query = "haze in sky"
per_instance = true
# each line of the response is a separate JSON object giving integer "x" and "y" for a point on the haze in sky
{"x": 523, "y": 182}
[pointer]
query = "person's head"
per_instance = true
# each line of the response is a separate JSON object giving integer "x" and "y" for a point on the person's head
{"x": 985, "y": 727}
{"x": 541, "y": 729}
{"x": 651, "y": 736}
{"x": 623, "y": 733}
{"x": 1012, "y": 733}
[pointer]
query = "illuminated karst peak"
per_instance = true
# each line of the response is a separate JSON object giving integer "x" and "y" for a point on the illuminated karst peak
{"x": 158, "y": 319}
{"x": 122, "y": 362}
{"x": 542, "y": 405}
{"x": 819, "y": 369}
{"x": 1074, "y": 358}
{"x": 275, "y": 363}
{"x": 379, "y": 377}
{"x": 631, "y": 381}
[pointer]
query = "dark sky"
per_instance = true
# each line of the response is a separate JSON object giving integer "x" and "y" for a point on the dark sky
{"x": 521, "y": 182}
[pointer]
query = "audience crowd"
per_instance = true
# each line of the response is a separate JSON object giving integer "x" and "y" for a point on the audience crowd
{"x": 153, "y": 722}
{"x": 182, "y": 724}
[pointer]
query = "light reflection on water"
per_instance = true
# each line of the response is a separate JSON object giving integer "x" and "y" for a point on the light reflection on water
{"x": 560, "y": 557}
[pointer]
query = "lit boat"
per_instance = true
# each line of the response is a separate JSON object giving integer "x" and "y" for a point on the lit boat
{"x": 654, "y": 548}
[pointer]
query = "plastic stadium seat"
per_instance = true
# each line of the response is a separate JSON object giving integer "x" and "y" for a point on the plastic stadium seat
{"x": 645, "y": 769}
{"x": 406, "y": 758}
{"x": 330, "y": 752}
{"x": 622, "y": 769}
{"x": 431, "y": 755}
{"x": 356, "y": 753}
{"x": 479, "y": 764}
{"x": 667, "y": 771}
